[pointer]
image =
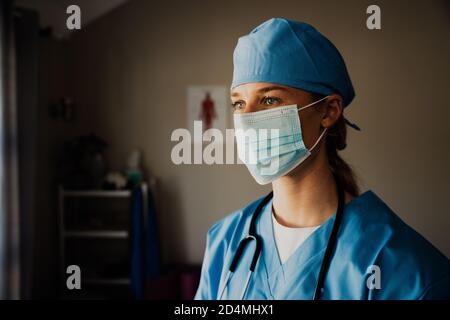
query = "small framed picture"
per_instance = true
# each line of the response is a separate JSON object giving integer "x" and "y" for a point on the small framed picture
{"x": 206, "y": 107}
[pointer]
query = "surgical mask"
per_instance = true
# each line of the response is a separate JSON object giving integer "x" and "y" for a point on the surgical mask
{"x": 270, "y": 142}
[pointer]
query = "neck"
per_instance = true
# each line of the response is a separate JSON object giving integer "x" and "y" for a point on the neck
{"x": 306, "y": 197}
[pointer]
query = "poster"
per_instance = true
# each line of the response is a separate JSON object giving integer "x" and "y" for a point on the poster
{"x": 208, "y": 104}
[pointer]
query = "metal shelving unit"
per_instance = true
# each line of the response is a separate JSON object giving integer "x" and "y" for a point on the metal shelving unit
{"x": 96, "y": 193}
{"x": 117, "y": 281}
{"x": 92, "y": 235}
{"x": 112, "y": 234}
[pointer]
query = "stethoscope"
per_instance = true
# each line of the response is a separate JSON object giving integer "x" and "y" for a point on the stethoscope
{"x": 253, "y": 236}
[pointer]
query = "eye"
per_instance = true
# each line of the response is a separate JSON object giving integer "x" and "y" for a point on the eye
{"x": 269, "y": 101}
{"x": 238, "y": 105}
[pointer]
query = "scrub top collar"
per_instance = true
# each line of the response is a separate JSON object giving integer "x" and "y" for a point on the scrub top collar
{"x": 309, "y": 252}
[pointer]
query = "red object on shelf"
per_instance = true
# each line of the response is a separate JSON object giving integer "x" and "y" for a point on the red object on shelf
{"x": 180, "y": 283}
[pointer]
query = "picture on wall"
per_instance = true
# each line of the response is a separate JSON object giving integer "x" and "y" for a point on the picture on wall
{"x": 209, "y": 105}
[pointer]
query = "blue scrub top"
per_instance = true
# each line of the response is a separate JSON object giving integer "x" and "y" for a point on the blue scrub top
{"x": 370, "y": 235}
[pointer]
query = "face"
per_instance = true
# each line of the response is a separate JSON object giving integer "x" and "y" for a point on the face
{"x": 258, "y": 96}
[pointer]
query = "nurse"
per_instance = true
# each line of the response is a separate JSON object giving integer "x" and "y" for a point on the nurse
{"x": 317, "y": 236}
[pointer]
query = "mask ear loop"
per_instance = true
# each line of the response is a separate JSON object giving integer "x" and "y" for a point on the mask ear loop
{"x": 324, "y": 130}
{"x": 318, "y": 139}
{"x": 349, "y": 123}
{"x": 311, "y": 104}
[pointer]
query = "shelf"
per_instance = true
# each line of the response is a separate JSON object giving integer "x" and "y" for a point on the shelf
{"x": 97, "y": 193}
{"x": 112, "y": 281}
{"x": 94, "y": 230}
{"x": 111, "y": 234}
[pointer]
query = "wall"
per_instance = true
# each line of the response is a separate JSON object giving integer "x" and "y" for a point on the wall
{"x": 130, "y": 70}
{"x": 53, "y": 85}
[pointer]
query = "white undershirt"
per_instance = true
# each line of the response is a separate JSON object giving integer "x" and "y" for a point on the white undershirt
{"x": 289, "y": 239}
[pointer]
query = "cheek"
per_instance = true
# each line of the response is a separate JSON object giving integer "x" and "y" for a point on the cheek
{"x": 310, "y": 128}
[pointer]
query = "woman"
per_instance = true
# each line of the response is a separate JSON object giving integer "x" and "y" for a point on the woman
{"x": 316, "y": 237}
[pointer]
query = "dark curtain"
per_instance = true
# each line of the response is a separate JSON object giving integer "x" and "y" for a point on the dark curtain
{"x": 26, "y": 38}
{"x": 19, "y": 35}
{"x": 9, "y": 192}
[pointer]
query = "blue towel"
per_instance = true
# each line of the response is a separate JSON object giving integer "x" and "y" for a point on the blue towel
{"x": 145, "y": 258}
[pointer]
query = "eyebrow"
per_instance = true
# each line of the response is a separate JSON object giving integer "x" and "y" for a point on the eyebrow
{"x": 264, "y": 90}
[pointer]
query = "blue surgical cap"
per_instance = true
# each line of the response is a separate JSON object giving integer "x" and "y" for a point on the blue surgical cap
{"x": 293, "y": 54}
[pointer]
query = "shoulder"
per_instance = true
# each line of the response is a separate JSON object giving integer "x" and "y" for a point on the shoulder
{"x": 403, "y": 255}
{"x": 223, "y": 234}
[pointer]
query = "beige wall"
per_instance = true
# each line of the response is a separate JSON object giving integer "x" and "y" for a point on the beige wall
{"x": 131, "y": 68}
{"x": 53, "y": 85}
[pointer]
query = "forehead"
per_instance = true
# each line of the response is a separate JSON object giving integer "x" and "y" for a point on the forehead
{"x": 258, "y": 88}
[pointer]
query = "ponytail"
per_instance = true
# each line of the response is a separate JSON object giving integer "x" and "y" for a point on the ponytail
{"x": 335, "y": 141}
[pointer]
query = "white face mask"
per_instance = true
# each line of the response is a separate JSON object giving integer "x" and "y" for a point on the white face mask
{"x": 270, "y": 142}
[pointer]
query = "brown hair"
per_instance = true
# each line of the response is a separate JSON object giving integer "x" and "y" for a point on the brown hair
{"x": 336, "y": 140}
